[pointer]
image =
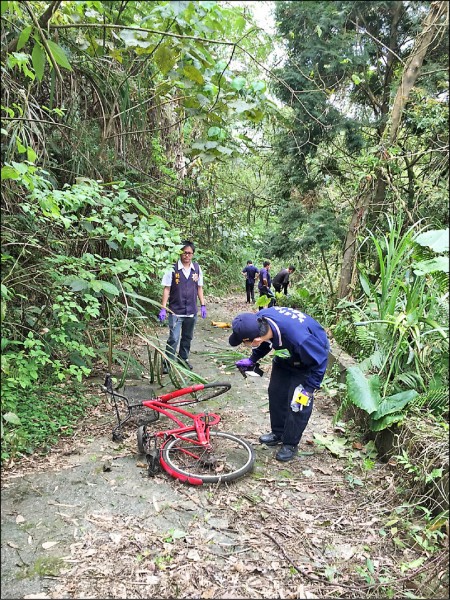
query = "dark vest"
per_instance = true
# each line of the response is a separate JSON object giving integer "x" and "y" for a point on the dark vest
{"x": 183, "y": 292}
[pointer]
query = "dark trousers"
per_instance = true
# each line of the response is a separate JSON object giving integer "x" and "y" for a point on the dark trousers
{"x": 285, "y": 423}
{"x": 272, "y": 300}
{"x": 278, "y": 288}
{"x": 250, "y": 290}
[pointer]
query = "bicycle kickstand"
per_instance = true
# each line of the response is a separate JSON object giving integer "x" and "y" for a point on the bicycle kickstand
{"x": 152, "y": 457}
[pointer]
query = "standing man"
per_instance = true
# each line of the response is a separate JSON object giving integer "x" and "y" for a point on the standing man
{"x": 182, "y": 286}
{"x": 281, "y": 279}
{"x": 265, "y": 282}
{"x": 250, "y": 272}
{"x": 294, "y": 378}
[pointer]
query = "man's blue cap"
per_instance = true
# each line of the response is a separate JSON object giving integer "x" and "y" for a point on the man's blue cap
{"x": 245, "y": 327}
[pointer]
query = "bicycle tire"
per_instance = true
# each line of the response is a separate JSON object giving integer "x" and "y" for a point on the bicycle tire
{"x": 142, "y": 439}
{"x": 210, "y": 390}
{"x": 231, "y": 458}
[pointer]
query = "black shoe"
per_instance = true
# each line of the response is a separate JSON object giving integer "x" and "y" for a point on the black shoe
{"x": 286, "y": 453}
{"x": 270, "y": 439}
{"x": 165, "y": 369}
{"x": 185, "y": 363}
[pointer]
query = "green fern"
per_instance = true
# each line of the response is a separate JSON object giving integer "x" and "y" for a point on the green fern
{"x": 410, "y": 379}
{"x": 435, "y": 400}
{"x": 365, "y": 338}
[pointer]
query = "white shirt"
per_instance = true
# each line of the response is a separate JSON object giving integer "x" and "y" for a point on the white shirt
{"x": 167, "y": 278}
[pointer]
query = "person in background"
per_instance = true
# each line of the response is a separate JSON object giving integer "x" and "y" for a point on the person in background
{"x": 281, "y": 279}
{"x": 250, "y": 272}
{"x": 294, "y": 378}
{"x": 265, "y": 282}
{"x": 182, "y": 286}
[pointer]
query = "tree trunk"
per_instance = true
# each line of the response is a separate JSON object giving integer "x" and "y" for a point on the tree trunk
{"x": 424, "y": 41}
{"x": 349, "y": 254}
{"x": 375, "y": 202}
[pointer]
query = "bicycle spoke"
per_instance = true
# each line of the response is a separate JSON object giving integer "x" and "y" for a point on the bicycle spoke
{"x": 226, "y": 458}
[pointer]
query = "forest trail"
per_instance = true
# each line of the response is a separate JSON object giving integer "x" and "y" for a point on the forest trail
{"x": 72, "y": 528}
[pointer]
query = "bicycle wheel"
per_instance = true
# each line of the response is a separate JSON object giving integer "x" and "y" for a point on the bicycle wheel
{"x": 209, "y": 390}
{"x": 142, "y": 439}
{"x": 228, "y": 458}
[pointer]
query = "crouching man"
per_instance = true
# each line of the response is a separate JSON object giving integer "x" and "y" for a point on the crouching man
{"x": 294, "y": 378}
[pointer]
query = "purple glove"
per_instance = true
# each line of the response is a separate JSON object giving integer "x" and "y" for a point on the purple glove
{"x": 245, "y": 363}
{"x": 162, "y": 314}
{"x": 203, "y": 312}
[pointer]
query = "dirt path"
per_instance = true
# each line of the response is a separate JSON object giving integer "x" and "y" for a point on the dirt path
{"x": 87, "y": 522}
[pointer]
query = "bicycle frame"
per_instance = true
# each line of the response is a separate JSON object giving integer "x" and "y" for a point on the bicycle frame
{"x": 201, "y": 424}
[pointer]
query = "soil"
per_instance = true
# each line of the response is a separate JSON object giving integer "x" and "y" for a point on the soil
{"x": 86, "y": 521}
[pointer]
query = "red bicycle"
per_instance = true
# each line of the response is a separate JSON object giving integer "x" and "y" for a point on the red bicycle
{"x": 194, "y": 452}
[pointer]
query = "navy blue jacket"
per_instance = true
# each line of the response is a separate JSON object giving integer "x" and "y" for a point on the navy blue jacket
{"x": 251, "y": 271}
{"x": 304, "y": 338}
{"x": 264, "y": 274}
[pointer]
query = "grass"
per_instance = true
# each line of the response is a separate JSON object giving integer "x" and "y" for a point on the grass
{"x": 46, "y": 414}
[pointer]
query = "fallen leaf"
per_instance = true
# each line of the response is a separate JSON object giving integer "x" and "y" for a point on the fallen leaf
{"x": 20, "y": 519}
{"x": 47, "y": 545}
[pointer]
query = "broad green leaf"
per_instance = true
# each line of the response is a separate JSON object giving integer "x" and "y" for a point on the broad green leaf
{"x": 12, "y": 418}
{"x": 335, "y": 445}
{"x": 59, "y": 55}
{"x": 440, "y": 263}
{"x": 8, "y": 172}
{"x": 31, "y": 154}
{"x": 110, "y": 288}
{"x": 38, "y": 60}
{"x": 216, "y": 132}
{"x": 165, "y": 58}
{"x": 24, "y": 37}
{"x": 394, "y": 403}
{"x": 224, "y": 150}
{"x": 355, "y": 78}
{"x": 385, "y": 422}
{"x": 365, "y": 285}
{"x": 437, "y": 240}
{"x": 77, "y": 285}
{"x": 139, "y": 206}
{"x": 193, "y": 74}
{"x": 238, "y": 83}
{"x": 259, "y": 86}
{"x": 96, "y": 285}
{"x": 241, "y": 106}
{"x": 20, "y": 147}
{"x": 362, "y": 391}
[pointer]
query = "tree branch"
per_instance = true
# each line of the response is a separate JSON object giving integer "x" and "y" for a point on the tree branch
{"x": 43, "y": 22}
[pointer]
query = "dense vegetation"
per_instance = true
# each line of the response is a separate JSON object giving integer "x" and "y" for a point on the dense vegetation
{"x": 127, "y": 126}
